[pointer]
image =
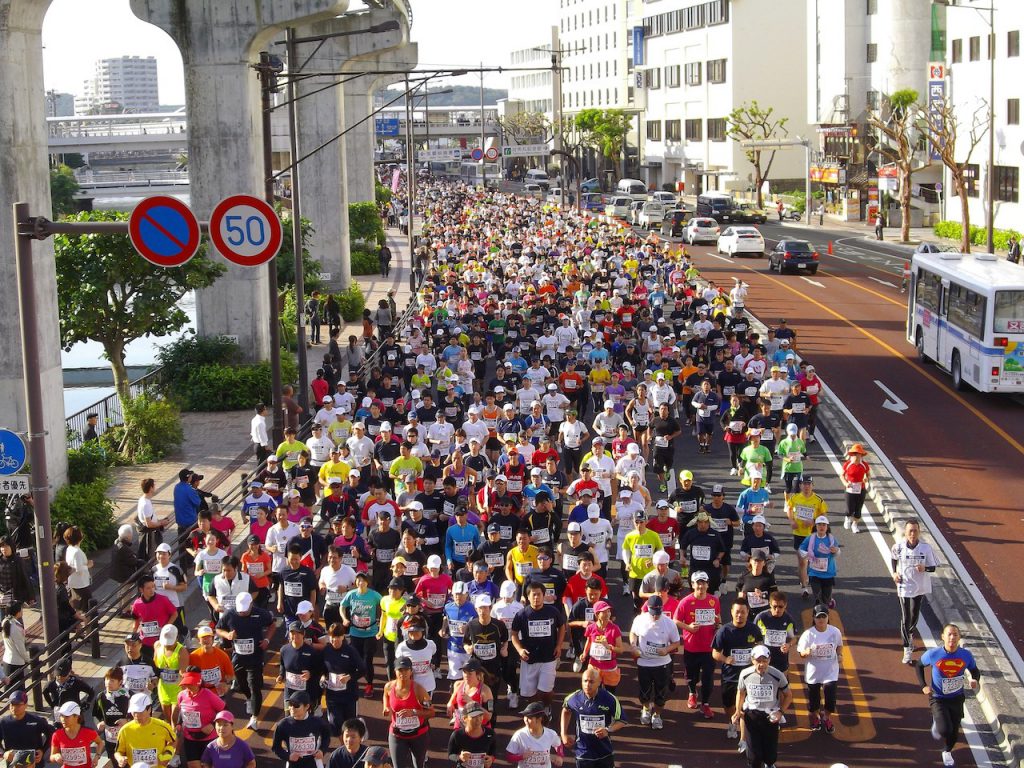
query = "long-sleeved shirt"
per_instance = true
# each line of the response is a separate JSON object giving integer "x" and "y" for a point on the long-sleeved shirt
{"x": 15, "y": 651}
{"x": 258, "y": 430}
{"x": 186, "y": 505}
{"x": 459, "y": 541}
{"x": 303, "y": 737}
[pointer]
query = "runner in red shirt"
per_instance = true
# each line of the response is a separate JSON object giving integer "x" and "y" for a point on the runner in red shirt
{"x": 698, "y": 617}
{"x": 856, "y": 474}
{"x": 71, "y": 744}
{"x": 667, "y": 528}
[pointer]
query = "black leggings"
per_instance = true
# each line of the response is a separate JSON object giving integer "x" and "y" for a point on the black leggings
{"x": 340, "y": 709}
{"x": 814, "y": 696}
{"x": 389, "y": 657}
{"x": 822, "y": 589}
{"x": 947, "y": 714}
{"x": 249, "y": 682}
{"x": 700, "y": 667}
{"x": 434, "y": 623}
{"x": 408, "y": 753}
{"x": 910, "y": 612}
{"x": 854, "y": 504}
{"x": 734, "y": 455}
{"x": 367, "y": 647}
{"x": 762, "y": 739}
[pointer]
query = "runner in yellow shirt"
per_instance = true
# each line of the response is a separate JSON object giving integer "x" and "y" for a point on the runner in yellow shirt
{"x": 333, "y": 467}
{"x": 638, "y": 550}
{"x": 802, "y": 508}
{"x": 522, "y": 559}
{"x": 145, "y": 739}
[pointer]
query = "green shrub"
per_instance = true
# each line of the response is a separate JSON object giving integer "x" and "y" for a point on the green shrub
{"x": 952, "y": 230}
{"x": 182, "y": 356}
{"x": 151, "y": 430}
{"x": 364, "y": 223}
{"x": 87, "y": 463}
{"x": 352, "y": 303}
{"x": 364, "y": 262}
{"x": 87, "y": 506}
{"x": 289, "y": 322}
{"x": 381, "y": 194}
{"x": 233, "y": 387}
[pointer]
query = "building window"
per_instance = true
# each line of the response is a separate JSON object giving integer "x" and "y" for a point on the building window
{"x": 716, "y": 129}
{"x": 872, "y": 53}
{"x": 673, "y": 130}
{"x": 716, "y": 71}
{"x": 717, "y": 12}
{"x": 672, "y": 76}
{"x": 1013, "y": 111}
{"x": 957, "y": 51}
{"x": 693, "y": 130}
{"x": 974, "y": 48}
{"x": 654, "y": 130}
{"x": 694, "y": 16}
{"x": 692, "y": 72}
{"x": 654, "y": 79}
{"x": 872, "y": 100}
{"x": 991, "y": 47}
{"x": 872, "y": 7}
{"x": 1007, "y": 183}
{"x": 1013, "y": 43}
{"x": 971, "y": 179}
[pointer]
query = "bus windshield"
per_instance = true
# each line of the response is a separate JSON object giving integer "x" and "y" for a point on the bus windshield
{"x": 1008, "y": 316}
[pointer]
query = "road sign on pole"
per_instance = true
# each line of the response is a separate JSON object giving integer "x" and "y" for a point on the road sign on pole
{"x": 491, "y": 154}
{"x": 450, "y": 154}
{"x": 477, "y": 154}
{"x": 522, "y": 150}
{"x": 12, "y": 452}
{"x": 164, "y": 231}
{"x": 15, "y": 485}
{"x": 246, "y": 230}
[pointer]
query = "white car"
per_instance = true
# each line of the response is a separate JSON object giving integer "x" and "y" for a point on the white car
{"x": 651, "y": 215}
{"x": 736, "y": 240}
{"x": 702, "y": 230}
{"x": 667, "y": 199}
{"x": 619, "y": 206}
{"x": 634, "y": 211}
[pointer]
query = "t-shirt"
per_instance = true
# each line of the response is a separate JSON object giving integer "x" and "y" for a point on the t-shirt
{"x": 198, "y": 711}
{"x": 653, "y": 634}
{"x": 146, "y": 743}
{"x": 602, "y": 654}
{"x": 237, "y": 754}
{"x": 534, "y": 751}
{"x": 822, "y": 666}
{"x": 76, "y": 751}
{"x": 737, "y": 642}
{"x": 776, "y": 631}
{"x": 538, "y": 631}
{"x": 693, "y": 610}
{"x": 363, "y": 611}
{"x": 947, "y": 678}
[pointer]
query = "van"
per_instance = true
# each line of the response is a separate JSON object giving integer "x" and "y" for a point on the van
{"x": 716, "y": 205}
{"x": 632, "y": 187}
{"x": 538, "y": 176}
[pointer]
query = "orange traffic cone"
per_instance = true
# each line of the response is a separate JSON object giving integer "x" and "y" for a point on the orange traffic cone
{"x": 829, "y": 247}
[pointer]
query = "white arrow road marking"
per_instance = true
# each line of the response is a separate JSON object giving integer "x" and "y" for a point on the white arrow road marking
{"x": 812, "y": 282}
{"x": 893, "y": 404}
{"x": 883, "y": 282}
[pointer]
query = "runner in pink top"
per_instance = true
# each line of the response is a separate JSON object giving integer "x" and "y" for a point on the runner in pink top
{"x": 433, "y": 587}
{"x": 196, "y": 708}
{"x": 151, "y": 612}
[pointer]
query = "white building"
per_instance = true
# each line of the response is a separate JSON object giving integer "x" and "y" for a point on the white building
{"x": 129, "y": 82}
{"x": 859, "y": 52}
{"x": 969, "y": 67}
{"x": 700, "y": 61}
{"x": 596, "y": 55}
{"x": 534, "y": 90}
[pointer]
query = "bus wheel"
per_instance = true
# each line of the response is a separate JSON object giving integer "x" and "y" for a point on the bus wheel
{"x": 958, "y": 378}
{"x": 919, "y": 343}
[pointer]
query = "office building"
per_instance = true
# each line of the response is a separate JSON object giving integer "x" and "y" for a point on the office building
{"x": 123, "y": 84}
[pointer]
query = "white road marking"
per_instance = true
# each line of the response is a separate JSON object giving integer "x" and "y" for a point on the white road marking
{"x": 812, "y": 282}
{"x": 893, "y": 403}
{"x": 883, "y": 282}
{"x": 843, "y": 258}
{"x": 723, "y": 258}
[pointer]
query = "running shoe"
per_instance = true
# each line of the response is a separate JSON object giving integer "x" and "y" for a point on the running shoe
{"x": 691, "y": 701}
{"x": 805, "y": 591}
{"x": 645, "y": 716}
{"x": 577, "y": 665}
{"x": 368, "y": 690}
{"x": 947, "y": 758}
{"x": 732, "y": 471}
{"x": 832, "y": 604}
{"x": 815, "y": 722}
{"x": 828, "y": 725}
{"x": 741, "y": 746}
{"x": 253, "y": 724}
{"x": 513, "y": 701}
{"x": 811, "y": 438}
{"x": 570, "y": 653}
{"x": 707, "y": 711}
{"x": 908, "y": 655}
{"x": 846, "y": 523}
{"x": 855, "y": 527}
{"x": 656, "y": 722}
{"x": 731, "y": 732}
{"x": 625, "y": 588}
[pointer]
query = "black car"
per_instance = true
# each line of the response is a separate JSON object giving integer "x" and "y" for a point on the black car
{"x": 794, "y": 255}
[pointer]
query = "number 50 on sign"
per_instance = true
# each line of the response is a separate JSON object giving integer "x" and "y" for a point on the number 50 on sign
{"x": 245, "y": 230}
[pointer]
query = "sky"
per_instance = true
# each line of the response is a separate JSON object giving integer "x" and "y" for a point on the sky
{"x": 449, "y": 33}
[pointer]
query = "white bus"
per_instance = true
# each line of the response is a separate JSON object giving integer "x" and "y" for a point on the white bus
{"x": 966, "y": 313}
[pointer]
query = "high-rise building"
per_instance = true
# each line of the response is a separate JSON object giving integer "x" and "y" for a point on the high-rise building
{"x": 123, "y": 84}
{"x": 59, "y": 104}
{"x": 596, "y": 59}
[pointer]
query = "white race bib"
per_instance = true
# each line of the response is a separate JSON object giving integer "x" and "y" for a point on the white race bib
{"x": 294, "y": 681}
{"x": 302, "y": 745}
{"x": 824, "y": 651}
{"x": 817, "y": 564}
{"x": 643, "y": 550}
{"x": 245, "y": 647}
{"x": 149, "y": 629}
{"x": 704, "y": 617}
{"x": 485, "y": 651}
{"x": 147, "y": 756}
{"x": 591, "y": 723}
{"x": 775, "y": 637}
{"x": 293, "y": 589}
{"x": 702, "y": 553}
{"x": 600, "y": 651}
{"x": 211, "y": 676}
{"x": 407, "y": 723}
{"x": 539, "y": 628}
{"x": 75, "y": 755}
{"x": 256, "y": 569}
{"x": 191, "y": 719}
{"x": 803, "y": 512}
{"x": 740, "y": 657}
{"x": 855, "y": 488}
{"x": 952, "y": 684}
{"x": 761, "y": 693}
{"x": 540, "y": 536}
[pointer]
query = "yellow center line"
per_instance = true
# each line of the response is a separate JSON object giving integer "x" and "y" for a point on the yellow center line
{"x": 914, "y": 365}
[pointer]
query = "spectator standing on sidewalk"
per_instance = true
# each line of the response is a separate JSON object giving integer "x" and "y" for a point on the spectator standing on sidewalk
{"x": 385, "y": 260}
{"x": 1013, "y": 249}
{"x": 258, "y": 433}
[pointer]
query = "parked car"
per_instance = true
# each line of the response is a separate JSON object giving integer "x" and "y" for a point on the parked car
{"x": 592, "y": 201}
{"x": 618, "y": 206}
{"x": 539, "y": 177}
{"x": 555, "y": 196}
{"x": 533, "y": 190}
{"x": 935, "y": 248}
{"x": 634, "y": 211}
{"x": 794, "y": 255}
{"x": 651, "y": 215}
{"x": 748, "y": 213}
{"x": 674, "y": 222}
{"x": 739, "y": 240}
{"x": 702, "y": 230}
{"x": 590, "y": 185}
{"x": 667, "y": 199}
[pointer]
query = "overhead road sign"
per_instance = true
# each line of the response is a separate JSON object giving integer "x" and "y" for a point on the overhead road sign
{"x": 246, "y": 230}
{"x": 449, "y": 154}
{"x": 521, "y": 150}
{"x": 386, "y": 126}
{"x": 164, "y": 231}
{"x": 12, "y": 452}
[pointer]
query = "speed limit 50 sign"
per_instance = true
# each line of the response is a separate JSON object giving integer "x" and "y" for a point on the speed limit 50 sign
{"x": 246, "y": 230}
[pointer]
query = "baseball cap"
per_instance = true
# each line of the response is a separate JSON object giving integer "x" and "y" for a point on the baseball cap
{"x": 191, "y": 678}
{"x": 327, "y": 399}
{"x": 164, "y": 548}
{"x": 717, "y": 490}
{"x": 759, "y": 519}
{"x": 760, "y": 652}
{"x": 655, "y": 605}
{"x": 662, "y": 504}
{"x": 69, "y": 708}
{"x": 685, "y": 474}
{"x": 820, "y": 610}
{"x": 304, "y": 607}
{"x": 806, "y": 479}
{"x": 204, "y": 630}
{"x": 224, "y": 716}
{"x": 243, "y": 602}
{"x": 296, "y": 626}
{"x": 169, "y": 634}
{"x": 300, "y": 697}
{"x": 821, "y": 519}
{"x": 507, "y": 589}
{"x": 471, "y": 709}
{"x": 140, "y": 702}
{"x": 378, "y": 755}
{"x": 482, "y": 600}
{"x": 698, "y": 576}
{"x": 434, "y": 561}
{"x": 602, "y": 605}
{"x": 660, "y": 557}
{"x": 18, "y": 697}
{"x": 640, "y": 515}
{"x": 593, "y": 510}
{"x": 459, "y": 588}
{"x": 574, "y": 528}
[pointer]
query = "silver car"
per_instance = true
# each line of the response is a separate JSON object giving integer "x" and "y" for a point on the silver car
{"x": 702, "y": 230}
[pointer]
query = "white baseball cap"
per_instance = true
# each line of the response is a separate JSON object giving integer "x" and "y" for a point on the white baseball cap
{"x": 69, "y": 708}
{"x": 594, "y": 510}
{"x": 243, "y": 602}
{"x": 574, "y": 528}
{"x": 434, "y": 561}
{"x": 304, "y": 607}
{"x": 660, "y": 557}
{"x": 140, "y": 702}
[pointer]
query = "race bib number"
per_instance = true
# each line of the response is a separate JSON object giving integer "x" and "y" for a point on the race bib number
{"x": 336, "y": 681}
{"x": 302, "y": 745}
{"x": 515, "y": 485}
{"x": 349, "y": 559}
{"x": 704, "y": 617}
{"x": 701, "y": 553}
{"x": 541, "y": 536}
{"x": 456, "y": 628}
{"x": 256, "y": 569}
{"x": 761, "y": 693}
{"x": 161, "y": 582}
{"x": 211, "y": 676}
{"x": 756, "y": 509}
{"x": 688, "y": 506}
{"x": 952, "y": 685}
{"x": 494, "y": 559}
{"x": 740, "y": 657}
{"x": 385, "y": 555}
{"x": 362, "y": 622}
{"x": 421, "y": 667}
{"x": 591, "y": 723}
{"x": 407, "y": 723}
{"x": 736, "y": 426}
{"x": 147, "y": 756}
{"x": 570, "y": 562}
{"x": 775, "y": 637}
{"x": 485, "y": 651}
{"x": 435, "y": 600}
{"x": 719, "y": 524}
{"x": 110, "y": 733}
{"x": 803, "y": 512}
{"x": 539, "y": 628}
{"x": 794, "y": 456}
{"x": 149, "y": 629}
{"x": 191, "y": 719}
{"x": 600, "y": 651}
{"x": 755, "y": 600}
{"x": 661, "y": 441}
{"x": 855, "y": 488}
{"x": 136, "y": 684}
{"x": 169, "y": 675}
{"x": 650, "y": 649}
{"x": 817, "y": 563}
{"x": 333, "y": 597}
{"x": 524, "y": 569}
{"x": 463, "y": 548}
{"x": 294, "y": 680}
{"x": 293, "y": 589}
{"x": 245, "y": 647}
{"x": 227, "y": 602}
{"x": 643, "y": 550}
{"x": 824, "y": 650}
{"x": 75, "y": 755}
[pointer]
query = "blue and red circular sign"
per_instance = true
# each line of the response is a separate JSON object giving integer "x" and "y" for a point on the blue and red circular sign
{"x": 246, "y": 230}
{"x": 477, "y": 154}
{"x": 164, "y": 231}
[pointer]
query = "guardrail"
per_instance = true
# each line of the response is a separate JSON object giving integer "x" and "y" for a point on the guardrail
{"x": 108, "y": 409}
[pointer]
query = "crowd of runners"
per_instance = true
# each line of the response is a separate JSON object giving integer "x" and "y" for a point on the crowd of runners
{"x": 464, "y": 515}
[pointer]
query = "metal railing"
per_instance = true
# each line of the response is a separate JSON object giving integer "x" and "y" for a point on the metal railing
{"x": 108, "y": 409}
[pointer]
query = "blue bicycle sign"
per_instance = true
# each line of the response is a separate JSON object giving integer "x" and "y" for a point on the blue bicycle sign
{"x": 12, "y": 452}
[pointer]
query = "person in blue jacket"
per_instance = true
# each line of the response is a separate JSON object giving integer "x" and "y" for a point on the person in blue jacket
{"x": 945, "y": 687}
{"x": 460, "y": 539}
{"x": 186, "y": 511}
{"x": 458, "y": 612}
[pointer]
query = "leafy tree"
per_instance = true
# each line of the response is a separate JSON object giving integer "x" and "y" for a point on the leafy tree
{"x": 527, "y": 127}
{"x": 381, "y": 194}
{"x": 948, "y": 128}
{"x": 604, "y": 130}
{"x": 286, "y": 258}
{"x": 752, "y": 122}
{"x": 897, "y": 128}
{"x": 364, "y": 223}
{"x": 106, "y": 292}
{"x": 63, "y": 188}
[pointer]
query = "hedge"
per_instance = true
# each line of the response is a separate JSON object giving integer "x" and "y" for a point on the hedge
{"x": 364, "y": 263}
{"x": 215, "y": 387}
{"x": 87, "y": 506}
{"x": 953, "y": 230}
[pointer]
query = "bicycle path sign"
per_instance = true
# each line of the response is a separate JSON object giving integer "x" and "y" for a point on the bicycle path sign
{"x": 12, "y": 452}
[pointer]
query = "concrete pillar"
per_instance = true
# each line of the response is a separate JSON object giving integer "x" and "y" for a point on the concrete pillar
{"x": 321, "y": 117}
{"x": 219, "y": 42}
{"x": 24, "y": 177}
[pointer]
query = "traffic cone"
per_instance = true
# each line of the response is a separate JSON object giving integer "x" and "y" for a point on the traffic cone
{"x": 829, "y": 247}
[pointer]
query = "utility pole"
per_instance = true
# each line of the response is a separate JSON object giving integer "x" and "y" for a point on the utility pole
{"x": 483, "y": 134}
{"x": 269, "y": 68}
{"x": 300, "y": 280}
{"x": 991, "y": 218}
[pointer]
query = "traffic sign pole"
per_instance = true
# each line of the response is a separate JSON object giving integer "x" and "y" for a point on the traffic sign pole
{"x": 36, "y": 431}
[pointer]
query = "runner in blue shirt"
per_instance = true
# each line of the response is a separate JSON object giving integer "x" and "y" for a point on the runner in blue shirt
{"x": 589, "y": 716}
{"x": 945, "y": 687}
